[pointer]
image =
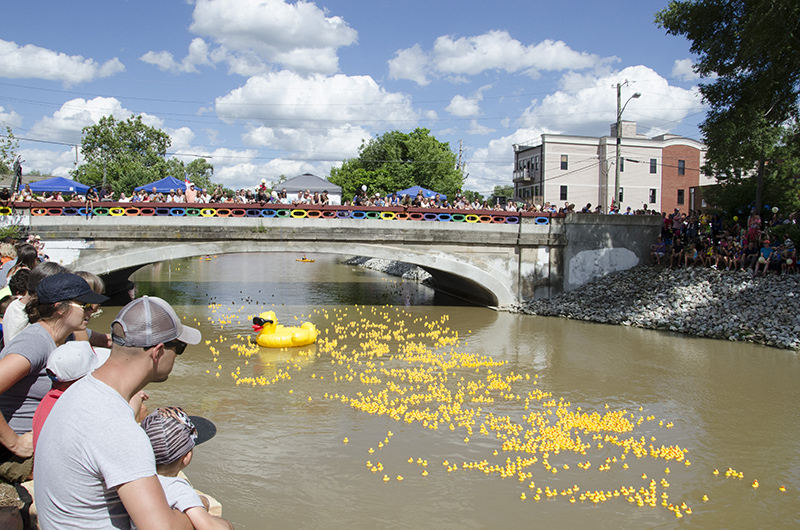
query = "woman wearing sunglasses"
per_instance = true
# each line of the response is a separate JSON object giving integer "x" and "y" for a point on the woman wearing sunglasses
{"x": 62, "y": 304}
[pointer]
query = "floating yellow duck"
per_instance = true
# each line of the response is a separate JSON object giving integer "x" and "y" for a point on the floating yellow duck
{"x": 273, "y": 335}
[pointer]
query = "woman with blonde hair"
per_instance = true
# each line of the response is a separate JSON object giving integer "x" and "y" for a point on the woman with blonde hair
{"x": 7, "y": 253}
{"x": 102, "y": 340}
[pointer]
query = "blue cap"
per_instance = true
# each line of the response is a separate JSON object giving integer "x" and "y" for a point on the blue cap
{"x": 67, "y": 286}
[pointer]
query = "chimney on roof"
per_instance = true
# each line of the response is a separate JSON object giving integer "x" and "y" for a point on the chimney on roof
{"x": 628, "y": 129}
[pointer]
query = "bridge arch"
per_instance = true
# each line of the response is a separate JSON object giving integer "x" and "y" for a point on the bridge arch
{"x": 454, "y": 275}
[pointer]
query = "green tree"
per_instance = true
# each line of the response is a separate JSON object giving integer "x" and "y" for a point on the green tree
{"x": 124, "y": 154}
{"x": 8, "y": 151}
{"x": 200, "y": 172}
{"x": 749, "y": 51}
{"x": 472, "y": 196}
{"x": 503, "y": 191}
{"x": 398, "y": 160}
{"x": 197, "y": 171}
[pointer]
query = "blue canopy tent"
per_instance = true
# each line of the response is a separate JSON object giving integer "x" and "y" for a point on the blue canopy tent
{"x": 414, "y": 190}
{"x": 55, "y": 184}
{"x": 164, "y": 185}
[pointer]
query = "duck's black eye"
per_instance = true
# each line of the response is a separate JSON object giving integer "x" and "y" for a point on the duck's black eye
{"x": 258, "y": 321}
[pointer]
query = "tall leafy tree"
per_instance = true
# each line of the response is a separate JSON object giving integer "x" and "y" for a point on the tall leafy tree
{"x": 198, "y": 171}
{"x": 8, "y": 151}
{"x": 398, "y": 160}
{"x": 123, "y": 154}
{"x": 749, "y": 53}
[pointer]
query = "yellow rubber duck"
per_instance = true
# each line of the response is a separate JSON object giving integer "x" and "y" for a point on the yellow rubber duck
{"x": 273, "y": 335}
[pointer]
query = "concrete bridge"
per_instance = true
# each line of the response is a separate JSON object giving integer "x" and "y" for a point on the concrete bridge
{"x": 498, "y": 263}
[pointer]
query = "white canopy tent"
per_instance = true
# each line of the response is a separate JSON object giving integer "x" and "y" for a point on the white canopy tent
{"x": 312, "y": 183}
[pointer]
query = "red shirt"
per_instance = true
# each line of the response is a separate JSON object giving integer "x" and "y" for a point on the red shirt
{"x": 44, "y": 408}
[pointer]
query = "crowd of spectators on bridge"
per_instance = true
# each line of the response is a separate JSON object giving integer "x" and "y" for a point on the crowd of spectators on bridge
{"x": 701, "y": 239}
{"x": 262, "y": 195}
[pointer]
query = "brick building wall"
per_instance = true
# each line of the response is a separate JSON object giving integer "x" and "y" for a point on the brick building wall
{"x": 675, "y": 185}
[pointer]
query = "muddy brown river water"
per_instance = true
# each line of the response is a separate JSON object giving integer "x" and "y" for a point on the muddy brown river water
{"x": 413, "y": 410}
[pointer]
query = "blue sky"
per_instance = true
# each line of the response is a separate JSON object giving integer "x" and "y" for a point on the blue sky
{"x": 268, "y": 87}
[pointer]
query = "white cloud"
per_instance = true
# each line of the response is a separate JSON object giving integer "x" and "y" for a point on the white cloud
{"x": 198, "y": 54}
{"x": 329, "y": 145}
{"x": 56, "y": 163}
{"x": 586, "y": 104}
{"x": 66, "y": 123}
{"x": 33, "y": 62}
{"x": 682, "y": 69}
{"x": 411, "y": 63}
{"x": 464, "y": 107}
{"x": 314, "y": 115}
{"x": 181, "y": 138}
{"x": 476, "y": 128}
{"x": 11, "y": 119}
{"x": 249, "y": 174}
{"x": 299, "y": 36}
{"x": 494, "y": 50}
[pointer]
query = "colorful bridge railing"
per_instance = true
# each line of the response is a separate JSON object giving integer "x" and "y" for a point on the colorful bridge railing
{"x": 270, "y": 211}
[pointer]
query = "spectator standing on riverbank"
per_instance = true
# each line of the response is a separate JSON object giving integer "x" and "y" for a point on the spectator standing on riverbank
{"x": 754, "y": 227}
{"x": 95, "y": 466}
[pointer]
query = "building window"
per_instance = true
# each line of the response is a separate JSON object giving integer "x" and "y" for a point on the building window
{"x": 653, "y": 165}
{"x": 564, "y": 162}
{"x": 563, "y": 193}
{"x": 681, "y": 168}
{"x": 681, "y": 197}
{"x": 652, "y": 196}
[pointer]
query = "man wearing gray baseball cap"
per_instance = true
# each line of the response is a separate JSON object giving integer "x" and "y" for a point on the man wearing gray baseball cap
{"x": 95, "y": 467}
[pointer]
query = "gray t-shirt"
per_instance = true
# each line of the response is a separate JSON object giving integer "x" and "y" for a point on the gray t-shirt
{"x": 19, "y": 402}
{"x": 180, "y": 494}
{"x": 89, "y": 445}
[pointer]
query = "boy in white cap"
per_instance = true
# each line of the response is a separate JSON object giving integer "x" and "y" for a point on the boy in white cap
{"x": 68, "y": 363}
{"x": 173, "y": 435}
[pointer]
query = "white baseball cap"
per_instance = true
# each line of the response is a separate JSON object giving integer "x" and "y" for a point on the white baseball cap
{"x": 71, "y": 361}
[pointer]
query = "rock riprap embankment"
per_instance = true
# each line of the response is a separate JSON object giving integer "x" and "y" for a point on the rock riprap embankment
{"x": 695, "y": 301}
{"x": 392, "y": 268}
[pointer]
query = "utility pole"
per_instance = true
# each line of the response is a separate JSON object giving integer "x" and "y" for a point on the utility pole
{"x": 460, "y": 162}
{"x": 620, "y": 110}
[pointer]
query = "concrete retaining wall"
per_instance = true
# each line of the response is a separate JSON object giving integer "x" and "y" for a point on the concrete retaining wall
{"x": 598, "y": 245}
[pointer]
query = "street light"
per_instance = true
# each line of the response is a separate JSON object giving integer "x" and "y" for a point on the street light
{"x": 620, "y": 110}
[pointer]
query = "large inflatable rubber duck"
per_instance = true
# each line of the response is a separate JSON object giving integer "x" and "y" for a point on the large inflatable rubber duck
{"x": 273, "y": 335}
